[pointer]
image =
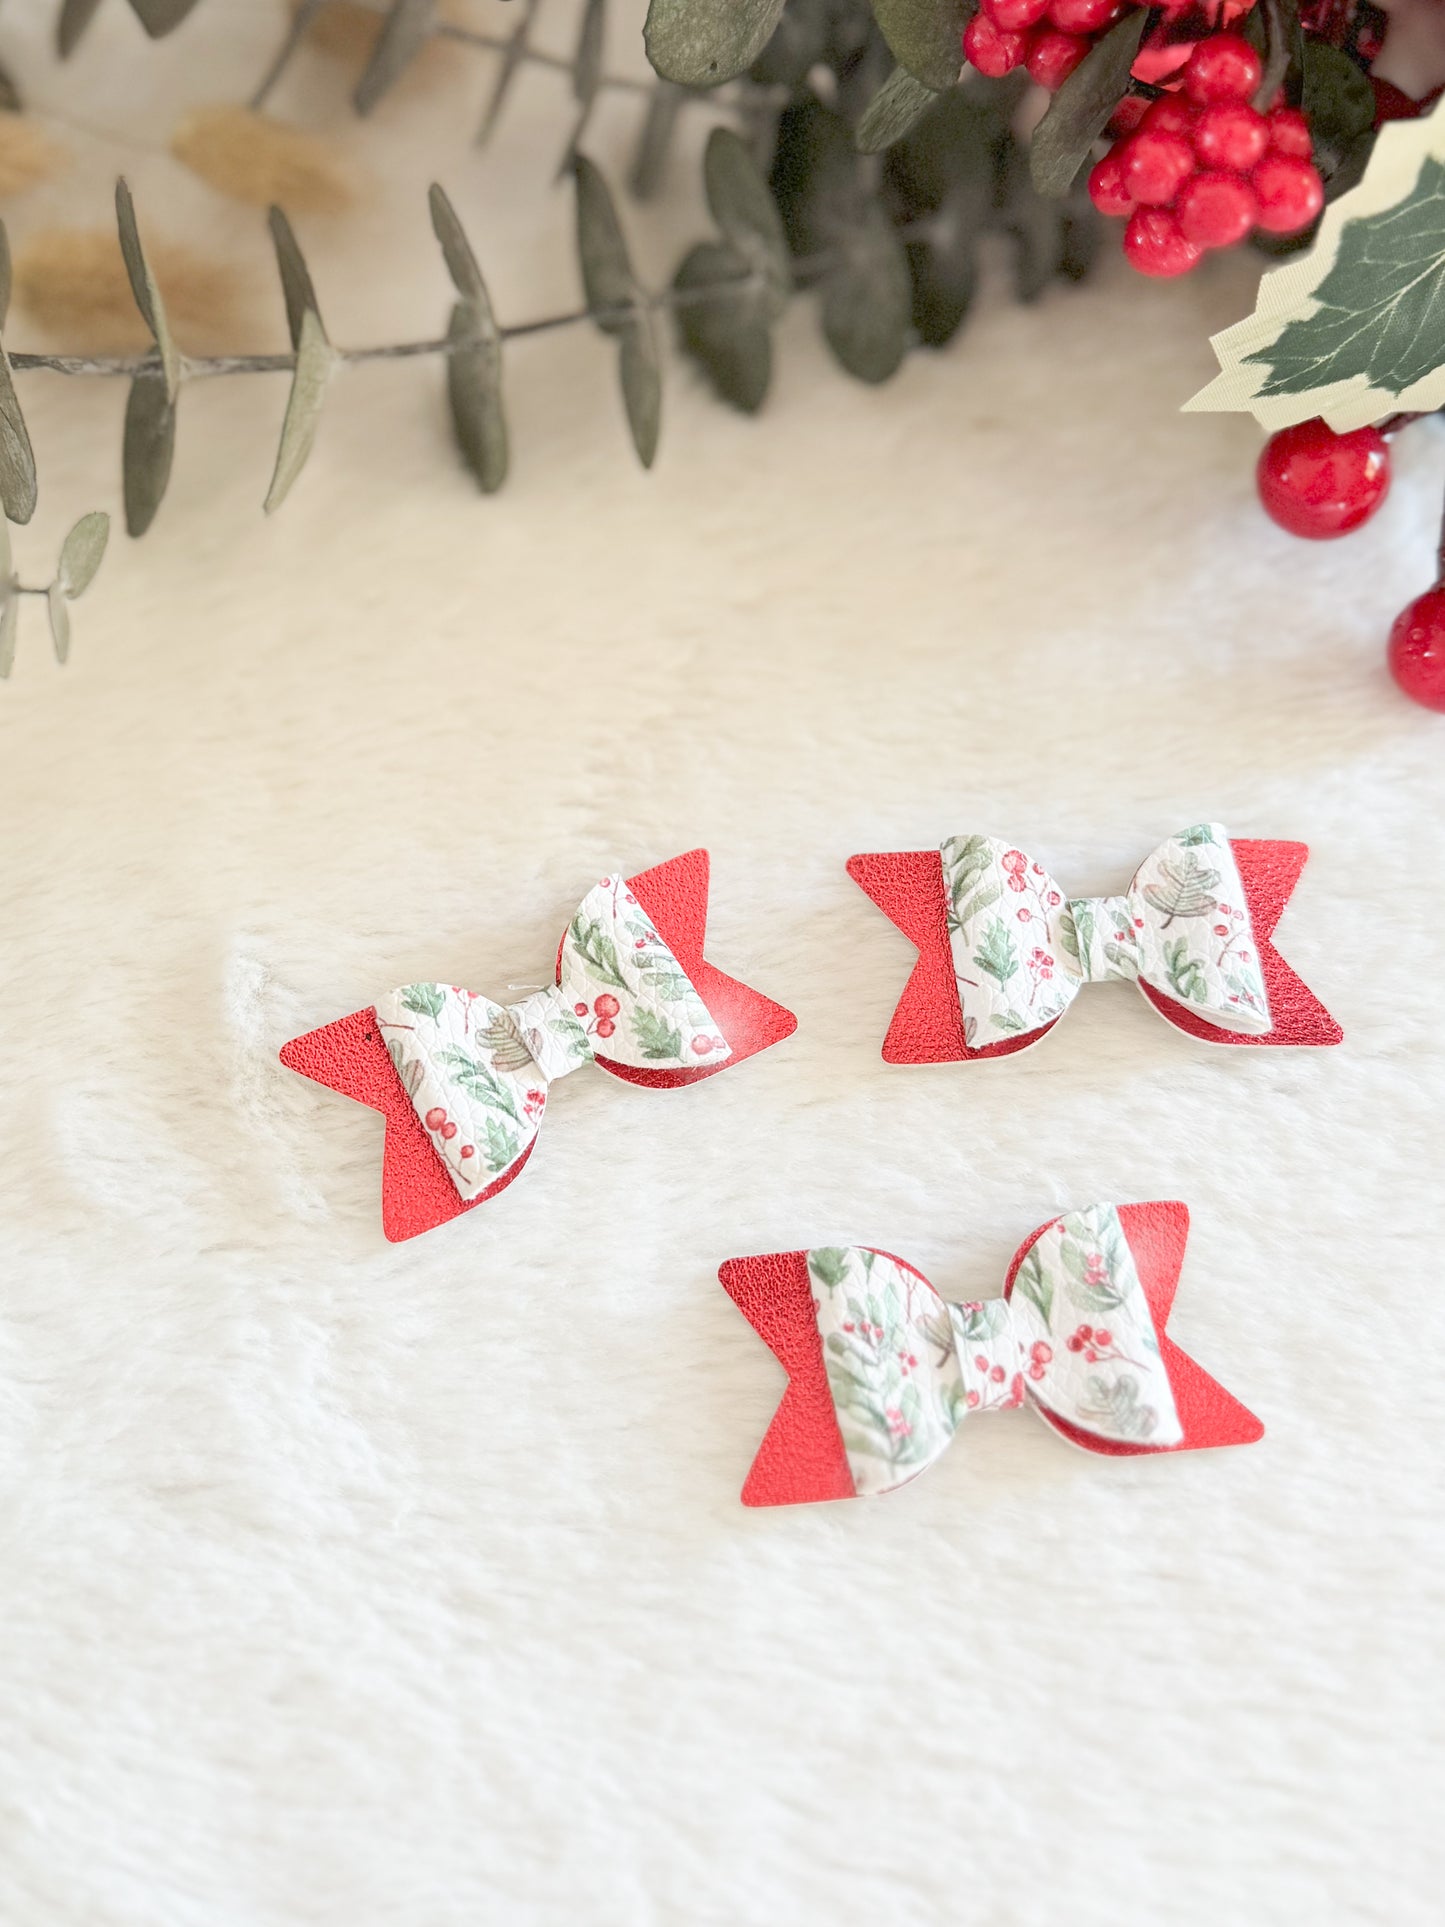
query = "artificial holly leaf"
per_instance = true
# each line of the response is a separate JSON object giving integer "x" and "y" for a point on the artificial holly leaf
{"x": 902, "y": 100}
{"x": 1080, "y": 110}
{"x": 1354, "y": 329}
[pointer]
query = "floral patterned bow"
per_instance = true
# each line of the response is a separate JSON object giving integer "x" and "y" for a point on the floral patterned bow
{"x": 1022, "y": 950}
{"x": 883, "y": 1371}
{"x": 477, "y": 1073}
{"x": 462, "y": 1081}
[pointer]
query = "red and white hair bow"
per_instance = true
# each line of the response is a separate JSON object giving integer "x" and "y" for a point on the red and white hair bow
{"x": 463, "y": 1082}
{"x": 1003, "y": 951}
{"x": 882, "y": 1371}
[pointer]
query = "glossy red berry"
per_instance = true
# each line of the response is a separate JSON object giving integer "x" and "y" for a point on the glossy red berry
{"x": 435, "y": 1118}
{"x": 1128, "y": 115}
{"x": 1082, "y": 16}
{"x": 449, "y": 1130}
{"x": 1156, "y": 165}
{"x": 1154, "y": 243}
{"x": 701, "y": 1046}
{"x": 1417, "y": 649}
{"x": 1289, "y": 133}
{"x": 1215, "y": 210}
{"x": 1289, "y": 192}
{"x": 1229, "y": 134}
{"x": 1223, "y": 67}
{"x": 1015, "y": 16}
{"x": 605, "y": 1027}
{"x": 1052, "y": 57}
{"x": 1106, "y": 187}
{"x": 1171, "y": 114}
{"x": 607, "y": 1005}
{"x": 992, "y": 51}
{"x": 1318, "y": 484}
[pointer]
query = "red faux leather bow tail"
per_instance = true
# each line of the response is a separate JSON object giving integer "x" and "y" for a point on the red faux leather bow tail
{"x": 416, "y": 1193}
{"x": 802, "y": 1457}
{"x": 927, "y": 1026}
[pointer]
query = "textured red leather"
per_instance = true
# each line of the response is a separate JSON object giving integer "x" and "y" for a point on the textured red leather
{"x": 416, "y": 1193}
{"x": 927, "y": 1026}
{"x": 801, "y": 1458}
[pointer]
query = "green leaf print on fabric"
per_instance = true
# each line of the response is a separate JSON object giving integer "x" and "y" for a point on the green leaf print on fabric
{"x": 423, "y": 1000}
{"x": 477, "y": 1081}
{"x": 829, "y": 1265}
{"x": 1187, "y": 890}
{"x": 1033, "y": 1283}
{"x": 597, "y": 950}
{"x": 500, "y": 1147}
{"x": 656, "y": 1037}
{"x": 997, "y": 953}
{"x": 1186, "y": 972}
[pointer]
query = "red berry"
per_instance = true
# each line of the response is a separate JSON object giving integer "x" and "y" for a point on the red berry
{"x": 1128, "y": 114}
{"x": 1318, "y": 484}
{"x": 1171, "y": 114}
{"x": 1290, "y": 193}
{"x": 1417, "y": 649}
{"x": 998, "y": 1374}
{"x": 1231, "y": 135}
{"x": 449, "y": 1130}
{"x": 1156, "y": 165}
{"x": 1106, "y": 186}
{"x": 468, "y": 1151}
{"x": 1223, "y": 67}
{"x": 1052, "y": 57}
{"x": 580, "y": 1009}
{"x": 607, "y": 1005}
{"x": 1084, "y": 1333}
{"x": 1289, "y": 133}
{"x": 1075, "y": 1344}
{"x": 702, "y": 1045}
{"x": 1215, "y": 210}
{"x": 435, "y": 1118}
{"x": 1081, "y": 16}
{"x": 605, "y": 1026}
{"x": 1103, "y": 1339}
{"x": 1015, "y": 16}
{"x": 990, "y": 49}
{"x": 1155, "y": 244}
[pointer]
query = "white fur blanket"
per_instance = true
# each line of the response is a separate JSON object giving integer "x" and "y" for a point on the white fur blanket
{"x": 408, "y": 1586}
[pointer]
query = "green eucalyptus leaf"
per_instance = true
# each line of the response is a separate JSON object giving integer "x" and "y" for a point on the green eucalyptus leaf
{"x": 655, "y": 140}
{"x": 404, "y": 32}
{"x": 9, "y": 93}
{"x": 512, "y": 59}
{"x": 740, "y": 203}
{"x": 75, "y": 17}
{"x": 59, "y": 621}
{"x": 868, "y": 301}
{"x": 925, "y": 36}
{"x": 147, "y": 448}
{"x": 296, "y": 285}
{"x": 1083, "y": 106}
{"x": 143, "y": 287}
{"x": 704, "y": 42}
{"x": 9, "y": 624}
{"x": 901, "y": 101}
{"x": 160, "y": 17}
{"x": 18, "y": 487}
{"x": 618, "y": 305}
{"x": 315, "y": 361}
{"x": 587, "y": 62}
{"x": 456, "y": 248}
{"x": 474, "y": 390}
{"x": 727, "y": 333}
{"x": 81, "y": 553}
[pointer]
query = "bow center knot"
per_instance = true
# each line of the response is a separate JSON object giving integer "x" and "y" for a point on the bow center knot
{"x": 1106, "y": 932}
{"x": 551, "y": 1031}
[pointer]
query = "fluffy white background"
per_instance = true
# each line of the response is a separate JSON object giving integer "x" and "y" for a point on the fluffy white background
{"x": 409, "y": 1585}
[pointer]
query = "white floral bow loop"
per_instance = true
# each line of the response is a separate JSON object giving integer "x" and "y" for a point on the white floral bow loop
{"x": 1022, "y": 950}
{"x": 905, "y": 1368}
{"x": 477, "y": 1073}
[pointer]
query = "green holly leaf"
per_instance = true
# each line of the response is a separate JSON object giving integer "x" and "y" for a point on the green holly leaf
{"x": 656, "y": 1037}
{"x": 996, "y": 953}
{"x": 500, "y": 1147}
{"x": 1353, "y": 329}
{"x": 829, "y": 1265}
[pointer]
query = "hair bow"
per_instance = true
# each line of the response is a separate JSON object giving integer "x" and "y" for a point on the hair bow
{"x": 1003, "y": 951}
{"x": 463, "y": 1082}
{"x": 882, "y": 1371}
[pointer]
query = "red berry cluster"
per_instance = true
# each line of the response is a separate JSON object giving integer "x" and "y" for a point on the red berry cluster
{"x": 1047, "y": 37}
{"x": 1204, "y": 168}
